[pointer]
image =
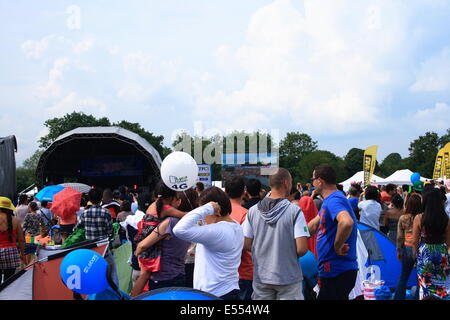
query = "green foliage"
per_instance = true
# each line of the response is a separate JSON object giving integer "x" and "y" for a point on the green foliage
{"x": 214, "y": 147}
{"x": 354, "y": 161}
{"x": 306, "y": 167}
{"x": 293, "y": 149}
{"x": 422, "y": 153}
{"x": 390, "y": 164}
{"x": 59, "y": 126}
{"x": 32, "y": 162}
{"x": 443, "y": 140}
{"x": 24, "y": 178}
{"x": 155, "y": 141}
{"x": 26, "y": 174}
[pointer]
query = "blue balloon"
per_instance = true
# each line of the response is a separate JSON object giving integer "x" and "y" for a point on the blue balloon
{"x": 84, "y": 271}
{"x": 415, "y": 177}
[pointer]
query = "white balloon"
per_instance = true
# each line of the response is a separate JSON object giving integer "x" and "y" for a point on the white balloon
{"x": 179, "y": 171}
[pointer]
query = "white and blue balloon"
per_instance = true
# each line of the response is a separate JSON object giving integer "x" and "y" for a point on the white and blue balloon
{"x": 84, "y": 271}
{"x": 179, "y": 171}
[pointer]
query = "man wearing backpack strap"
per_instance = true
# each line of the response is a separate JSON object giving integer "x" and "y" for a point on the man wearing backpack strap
{"x": 47, "y": 215}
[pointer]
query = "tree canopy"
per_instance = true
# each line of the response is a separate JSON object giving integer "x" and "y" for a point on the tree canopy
{"x": 293, "y": 149}
{"x": 297, "y": 152}
{"x": 422, "y": 153}
{"x": 59, "y": 126}
{"x": 390, "y": 164}
{"x": 353, "y": 161}
{"x": 306, "y": 167}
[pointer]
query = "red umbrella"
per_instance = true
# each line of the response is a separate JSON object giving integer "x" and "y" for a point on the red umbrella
{"x": 66, "y": 202}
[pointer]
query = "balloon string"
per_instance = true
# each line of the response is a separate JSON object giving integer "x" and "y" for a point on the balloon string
{"x": 184, "y": 192}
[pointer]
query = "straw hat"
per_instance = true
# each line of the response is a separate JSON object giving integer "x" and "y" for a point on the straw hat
{"x": 5, "y": 203}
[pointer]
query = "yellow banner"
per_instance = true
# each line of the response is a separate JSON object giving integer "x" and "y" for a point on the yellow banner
{"x": 446, "y": 164}
{"x": 438, "y": 165}
{"x": 370, "y": 159}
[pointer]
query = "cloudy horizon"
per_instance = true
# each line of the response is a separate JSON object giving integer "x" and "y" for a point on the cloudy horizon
{"x": 348, "y": 73}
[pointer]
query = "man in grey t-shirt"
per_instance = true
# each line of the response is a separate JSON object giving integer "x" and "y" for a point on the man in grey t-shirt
{"x": 276, "y": 233}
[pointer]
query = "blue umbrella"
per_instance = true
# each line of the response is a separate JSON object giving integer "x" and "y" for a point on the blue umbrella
{"x": 48, "y": 192}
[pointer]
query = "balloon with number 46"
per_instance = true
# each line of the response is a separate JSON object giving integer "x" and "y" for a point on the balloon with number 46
{"x": 179, "y": 171}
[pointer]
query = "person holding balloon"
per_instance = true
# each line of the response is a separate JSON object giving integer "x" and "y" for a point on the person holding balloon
{"x": 172, "y": 271}
{"x": 219, "y": 244}
{"x": 148, "y": 248}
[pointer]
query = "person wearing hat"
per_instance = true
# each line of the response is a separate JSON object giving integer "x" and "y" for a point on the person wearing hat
{"x": 418, "y": 186}
{"x": 11, "y": 254}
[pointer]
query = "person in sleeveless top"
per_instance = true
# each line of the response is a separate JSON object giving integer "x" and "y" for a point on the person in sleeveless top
{"x": 392, "y": 216}
{"x": 12, "y": 252}
{"x": 431, "y": 240}
{"x": 405, "y": 244}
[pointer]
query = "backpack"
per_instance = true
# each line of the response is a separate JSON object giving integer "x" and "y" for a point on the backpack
{"x": 150, "y": 259}
{"x": 146, "y": 226}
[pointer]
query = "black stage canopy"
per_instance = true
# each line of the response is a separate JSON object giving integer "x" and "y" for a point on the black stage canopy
{"x": 104, "y": 157}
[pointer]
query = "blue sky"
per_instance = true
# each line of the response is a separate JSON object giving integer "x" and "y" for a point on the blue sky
{"x": 349, "y": 73}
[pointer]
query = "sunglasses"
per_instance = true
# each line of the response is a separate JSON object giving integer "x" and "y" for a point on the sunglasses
{"x": 312, "y": 179}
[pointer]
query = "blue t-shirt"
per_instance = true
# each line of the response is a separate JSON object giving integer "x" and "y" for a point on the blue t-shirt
{"x": 353, "y": 203}
{"x": 331, "y": 264}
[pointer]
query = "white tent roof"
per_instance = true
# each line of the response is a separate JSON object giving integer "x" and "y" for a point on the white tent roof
{"x": 359, "y": 177}
{"x": 401, "y": 177}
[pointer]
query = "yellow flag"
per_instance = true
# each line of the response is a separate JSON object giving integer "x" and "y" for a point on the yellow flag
{"x": 370, "y": 159}
{"x": 438, "y": 165}
{"x": 446, "y": 165}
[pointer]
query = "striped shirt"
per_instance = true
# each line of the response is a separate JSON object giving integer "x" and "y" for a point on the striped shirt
{"x": 97, "y": 222}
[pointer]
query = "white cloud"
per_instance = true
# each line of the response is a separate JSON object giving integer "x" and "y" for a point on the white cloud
{"x": 316, "y": 62}
{"x": 434, "y": 74}
{"x": 34, "y": 49}
{"x": 436, "y": 118}
{"x": 145, "y": 74}
{"x": 84, "y": 45}
{"x": 73, "y": 102}
{"x": 52, "y": 88}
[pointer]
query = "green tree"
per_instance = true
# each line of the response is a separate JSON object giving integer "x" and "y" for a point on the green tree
{"x": 33, "y": 161}
{"x": 216, "y": 146}
{"x": 204, "y": 143}
{"x": 443, "y": 140}
{"x": 422, "y": 153}
{"x": 293, "y": 149}
{"x": 24, "y": 178}
{"x": 59, "y": 126}
{"x": 390, "y": 164}
{"x": 155, "y": 141}
{"x": 306, "y": 167}
{"x": 26, "y": 174}
{"x": 354, "y": 161}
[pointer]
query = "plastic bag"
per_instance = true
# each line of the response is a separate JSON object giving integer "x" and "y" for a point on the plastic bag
{"x": 77, "y": 236}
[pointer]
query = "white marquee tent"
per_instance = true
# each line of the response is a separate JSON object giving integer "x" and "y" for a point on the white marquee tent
{"x": 359, "y": 177}
{"x": 401, "y": 177}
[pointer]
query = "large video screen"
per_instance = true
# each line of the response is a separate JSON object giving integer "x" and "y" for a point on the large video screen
{"x": 112, "y": 167}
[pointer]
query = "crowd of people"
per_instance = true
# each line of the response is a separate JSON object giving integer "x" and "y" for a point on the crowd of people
{"x": 242, "y": 242}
